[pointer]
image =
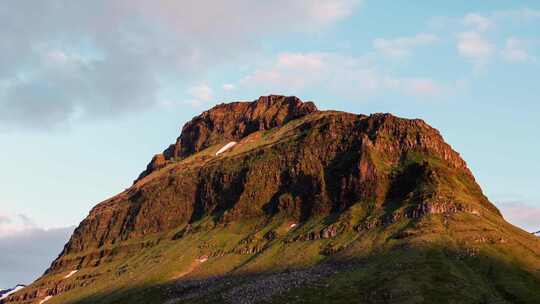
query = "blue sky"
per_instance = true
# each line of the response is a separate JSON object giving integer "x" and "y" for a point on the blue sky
{"x": 89, "y": 91}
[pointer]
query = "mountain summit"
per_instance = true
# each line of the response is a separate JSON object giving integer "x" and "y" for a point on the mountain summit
{"x": 232, "y": 121}
{"x": 275, "y": 201}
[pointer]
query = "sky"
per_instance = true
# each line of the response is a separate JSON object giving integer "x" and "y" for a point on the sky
{"x": 90, "y": 90}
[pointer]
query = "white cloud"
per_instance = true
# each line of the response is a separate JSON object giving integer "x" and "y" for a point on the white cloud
{"x": 475, "y": 47}
{"x": 403, "y": 46}
{"x": 478, "y": 22}
{"x": 291, "y": 72}
{"x": 414, "y": 86}
{"x": 94, "y": 59}
{"x": 13, "y": 224}
{"x": 350, "y": 77}
{"x": 202, "y": 92}
{"x": 520, "y": 15}
{"x": 200, "y": 95}
{"x": 515, "y": 50}
{"x": 329, "y": 10}
{"x": 309, "y": 61}
{"x": 424, "y": 87}
{"x": 228, "y": 87}
{"x": 479, "y": 34}
{"x": 485, "y": 21}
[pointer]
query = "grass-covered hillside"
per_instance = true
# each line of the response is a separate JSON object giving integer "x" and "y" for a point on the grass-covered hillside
{"x": 276, "y": 202}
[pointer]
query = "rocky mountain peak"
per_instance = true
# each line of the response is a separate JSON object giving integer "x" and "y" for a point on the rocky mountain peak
{"x": 236, "y": 120}
{"x": 306, "y": 164}
{"x": 232, "y": 122}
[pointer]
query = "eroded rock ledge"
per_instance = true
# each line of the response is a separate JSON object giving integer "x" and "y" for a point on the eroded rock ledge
{"x": 231, "y": 122}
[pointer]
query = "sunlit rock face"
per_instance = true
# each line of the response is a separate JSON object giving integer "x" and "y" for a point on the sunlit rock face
{"x": 232, "y": 121}
{"x": 326, "y": 163}
{"x": 294, "y": 175}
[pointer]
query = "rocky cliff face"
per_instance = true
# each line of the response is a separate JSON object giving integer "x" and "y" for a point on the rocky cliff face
{"x": 323, "y": 162}
{"x": 290, "y": 162}
{"x": 232, "y": 122}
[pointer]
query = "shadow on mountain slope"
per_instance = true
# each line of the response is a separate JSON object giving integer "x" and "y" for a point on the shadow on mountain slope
{"x": 404, "y": 275}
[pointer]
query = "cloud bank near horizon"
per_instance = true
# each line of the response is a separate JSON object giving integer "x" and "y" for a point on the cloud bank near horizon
{"x": 25, "y": 255}
{"x": 26, "y": 249}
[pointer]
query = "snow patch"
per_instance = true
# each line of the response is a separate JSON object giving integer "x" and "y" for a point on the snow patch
{"x": 293, "y": 225}
{"x": 14, "y": 290}
{"x": 70, "y": 274}
{"x": 537, "y": 233}
{"x": 226, "y": 147}
{"x": 47, "y": 298}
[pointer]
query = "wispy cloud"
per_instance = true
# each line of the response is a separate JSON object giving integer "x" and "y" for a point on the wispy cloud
{"x": 197, "y": 96}
{"x": 11, "y": 224}
{"x": 477, "y": 21}
{"x": 473, "y": 43}
{"x": 516, "y": 50}
{"x": 423, "y": 87}
{"x": 329, "y": 11}
{"x": 521, "y": 214}
{"x": 201, "y": 94}
{"x": 483, "y": 21}
{"x": 475, "y": 47}
{"x": 307, "y": 61}
{"x": 403, "y": 46}
{"x": 519, "y": 15}
{"x": 489, "y": 36}
{"x": 344, "y": 76}
{"x": 228, "y": 87}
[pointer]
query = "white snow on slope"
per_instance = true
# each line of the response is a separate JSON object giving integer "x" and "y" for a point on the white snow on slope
{"x": 70, "y": 274}
{"x": 47, "y": 298}
{"x": 7, "y": 294}
{"x": 226, "y": 147}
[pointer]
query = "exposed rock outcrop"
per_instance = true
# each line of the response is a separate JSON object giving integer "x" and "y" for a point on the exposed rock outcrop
{"x": 299, "y": 164}
{"x": 232, "y": 122}
{"x": 327, "y": 162}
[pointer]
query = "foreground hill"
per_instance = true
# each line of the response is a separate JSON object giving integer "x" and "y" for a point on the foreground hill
{"x": 275, "y": 201}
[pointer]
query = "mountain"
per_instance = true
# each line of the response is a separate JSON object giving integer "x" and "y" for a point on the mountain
{"x": 6, "y": 292}
{"x": 537, "y": 233}
{"x": 275, "y": 201}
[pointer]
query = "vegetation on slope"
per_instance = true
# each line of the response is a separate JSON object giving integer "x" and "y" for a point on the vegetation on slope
{"x": 307, "y": 207}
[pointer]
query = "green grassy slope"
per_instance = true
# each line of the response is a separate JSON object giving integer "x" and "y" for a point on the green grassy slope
{"x": 422, "y": 232}
{"x": 460, "y": 259}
